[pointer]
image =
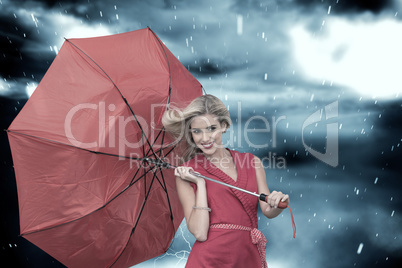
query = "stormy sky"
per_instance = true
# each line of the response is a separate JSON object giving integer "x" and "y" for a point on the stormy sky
{"x": 281, "y": 60}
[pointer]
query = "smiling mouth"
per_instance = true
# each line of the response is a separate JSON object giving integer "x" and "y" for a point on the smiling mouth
{"x": 208, "y": 145}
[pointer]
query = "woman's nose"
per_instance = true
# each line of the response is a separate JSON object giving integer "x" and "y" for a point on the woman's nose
{"x": 205, "y": 136}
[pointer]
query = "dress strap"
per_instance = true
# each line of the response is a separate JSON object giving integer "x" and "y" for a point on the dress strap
{"x": 257, "y": 237}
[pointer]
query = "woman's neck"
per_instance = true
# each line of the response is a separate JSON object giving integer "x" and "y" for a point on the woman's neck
{"x": 219, "y": 154}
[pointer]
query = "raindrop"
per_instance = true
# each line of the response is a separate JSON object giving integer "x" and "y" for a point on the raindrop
{"x": 239, "y": 24}
{"x": 376, "y": 180}
{"x": 392, "y": 214}
{"x": 360, "y": 248}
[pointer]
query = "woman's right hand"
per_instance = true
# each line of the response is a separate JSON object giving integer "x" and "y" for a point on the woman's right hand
{"x": 184, "y": 174}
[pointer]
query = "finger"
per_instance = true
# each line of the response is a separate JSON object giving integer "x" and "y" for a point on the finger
{"x": 277, "y": 200}
{"x": 271, "y": 199}
{"x": 285, "y": 198}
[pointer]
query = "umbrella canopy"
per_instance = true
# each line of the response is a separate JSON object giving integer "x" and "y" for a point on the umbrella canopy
{"x": 83, "y": 196}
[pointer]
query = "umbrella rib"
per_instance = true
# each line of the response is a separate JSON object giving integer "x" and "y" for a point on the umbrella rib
{"x": 167, "y": 196}
{"x": 87, "y": 150}
{"x": 107, "y": 203}
{"x": 76, "y": 147}
{"x": 163, "y": 179}
{"x": 115, "y": 86}
{"x": 95, "y": 152}
{"x": 168, "y": 63}
{"x": 138, "y": 219}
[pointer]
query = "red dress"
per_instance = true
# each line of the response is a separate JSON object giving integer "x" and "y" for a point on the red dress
{"x": 225, "y": 247}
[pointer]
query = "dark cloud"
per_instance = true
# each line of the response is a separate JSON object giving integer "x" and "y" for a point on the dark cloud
{"x": 18, "y": 54}
{"x": 348, "y": 6}
{"x": 53, "y": 3}
{"x": 11, "y": 42}
{"x": 207, "y": 68}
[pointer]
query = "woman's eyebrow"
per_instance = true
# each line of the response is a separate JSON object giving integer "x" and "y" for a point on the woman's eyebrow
{"x": 214, "y": 125}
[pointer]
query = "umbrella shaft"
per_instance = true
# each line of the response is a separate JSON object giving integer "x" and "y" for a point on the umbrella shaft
{"x": 262, "y": 197}
{"x": 225, "y": 184}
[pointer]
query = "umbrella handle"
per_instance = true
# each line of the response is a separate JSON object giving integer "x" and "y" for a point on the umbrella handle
{"x": 281, "y": 204}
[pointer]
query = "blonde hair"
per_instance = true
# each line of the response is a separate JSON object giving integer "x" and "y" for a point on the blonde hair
{"x": 178, "y": 122}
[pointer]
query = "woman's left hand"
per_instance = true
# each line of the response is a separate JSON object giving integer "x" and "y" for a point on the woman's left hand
{"x": 275, "y": 197}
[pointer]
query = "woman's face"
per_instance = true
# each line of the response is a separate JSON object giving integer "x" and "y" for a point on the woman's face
{"x": 207, "y": 133}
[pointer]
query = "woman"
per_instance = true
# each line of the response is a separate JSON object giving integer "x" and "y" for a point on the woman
{"x": 223, "y": 220}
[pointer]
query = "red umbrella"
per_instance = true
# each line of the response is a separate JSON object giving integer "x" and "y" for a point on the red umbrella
{"x": 87, "y": 195}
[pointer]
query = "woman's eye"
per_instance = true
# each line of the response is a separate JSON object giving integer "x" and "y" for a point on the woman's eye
{"x": 195, "y": 131}
{"x": 211, "y": 128}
